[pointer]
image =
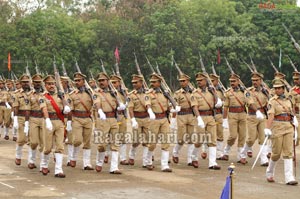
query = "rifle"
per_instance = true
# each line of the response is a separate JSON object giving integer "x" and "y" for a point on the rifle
{"x": 296, "y": 45}
{"x": 164, "y": 86}
{"x": 28, "y": 73}
{"x": 287, "y": 85}
{"x": 123, "y": 89}
{"x": 232, "y": 72}
{"x": 70, "y": 83}
{"x": 181, "y": 73}
{"x": 293, "y": 65}
{"x": 37, "y": 70}
{"x": 87, "y": 86}
{"x": 59, "y": 87}
{"x": 145, "y": 86}
{"x": 223, "y": 89}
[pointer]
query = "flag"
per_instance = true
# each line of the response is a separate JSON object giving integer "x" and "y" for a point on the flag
{"x": 117, "y": 55}
{"x": 279, "y": 65}
{"x": 226, "y": 190}
{"x": 8, "y": 62}
{"x": 219, "y": 57}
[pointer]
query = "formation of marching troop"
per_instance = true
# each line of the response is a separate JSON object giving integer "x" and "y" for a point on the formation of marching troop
{"x": 46, "y": 117}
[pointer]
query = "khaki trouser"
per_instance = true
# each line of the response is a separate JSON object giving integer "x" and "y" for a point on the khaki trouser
{"x": 298, "y": 130}
{"x": 282, "y": 140}
{"x": 255, "y": 130}
{"x": 36, "y": 133}
{"x": 159, "y": 130}
{"x": 140, "y": 135}
{"x": 5, "y": 114}
{"x": 109, "y": 134}
{"x": 122, "y": 128}
{"x": 219, "y": 122}
{"x": 82, "y": 132}
{"x": 237, "y": 128}
{"x": 207, "y": 134}
{"x": 22, "y": 139}
{"x": 55, "y": 136}
{"x": 185, "y": 128}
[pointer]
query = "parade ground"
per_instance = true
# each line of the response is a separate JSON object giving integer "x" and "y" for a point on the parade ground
{"x": 137, "y": 182}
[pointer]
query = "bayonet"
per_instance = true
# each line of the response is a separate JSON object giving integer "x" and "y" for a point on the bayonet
{"x": 296, "y": 45}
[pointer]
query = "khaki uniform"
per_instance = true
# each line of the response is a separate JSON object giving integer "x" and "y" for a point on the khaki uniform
{"x": 295, "y": 93}
{"x": 140, "y": 135}
{"x": 159, "y": 104}
{"x": 5, "y": 113}
{"x": 219, "y": 117}
{"x": 13, "y": 96}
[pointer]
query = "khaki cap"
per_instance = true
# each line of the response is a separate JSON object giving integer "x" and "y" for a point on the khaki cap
{"x": 234, "y": 76}
{"x": 279, "y": 75}
{"x": 296, "y": 75}
{"x": 184, "y": 77}
{"x": 37, "y": 78}
{"x": 155, "y": 77}
{"x": 102, "y": 75}
{"x": 78, "y": 76}
{"x": 49, "y": 79}
{"x": 214, "y": 77}
{"x": 115, "y": 78}
{"x": 9, "y": 81}
{"x": 256, "y": 76}
{"x": 136, "y": 78}
{"x": 24, "y": 78}
{"x": 200, "y": 76}
{"x": 64, "y": 78}
{"x": 277, "y": 83}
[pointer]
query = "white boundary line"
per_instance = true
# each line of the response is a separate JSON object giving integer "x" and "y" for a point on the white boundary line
{"x": 7, "y": 185}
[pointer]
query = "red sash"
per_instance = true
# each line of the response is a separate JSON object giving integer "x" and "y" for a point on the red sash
{"x": 55, "y": 106}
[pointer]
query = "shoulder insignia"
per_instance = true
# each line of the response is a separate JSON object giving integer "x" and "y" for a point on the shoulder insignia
{"x": 149, "y": 91}
{"x": 41, "y": 101}
{"x": 146, "y": 98}
{"x": 247, "y": 94}
{"x": 69, "y": 100}
{"x": 94, "y": 97}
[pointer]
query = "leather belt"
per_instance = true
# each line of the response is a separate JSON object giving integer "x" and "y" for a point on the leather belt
{"x": 236, "y": 109}
{"x": 297, "y": 110}
{"x": 120, "y": 112}
{"x": 81, "y": 114}
{"x": 283, "y": 117}
{"x": 185, "y": 111}
{"x": 253, "y": 112}
{"x": 140, "y": 114}
{"x": 36, "y": 113}
{"x": 206, "y": 112}
{"x": 53, "y": 116}
{"x": 219, "y": 111}
{"x": 160, "y": 115}
{"x": 22, "y": 113}
{"x": 110, "y": 114}
{"x": 2, "y": 104}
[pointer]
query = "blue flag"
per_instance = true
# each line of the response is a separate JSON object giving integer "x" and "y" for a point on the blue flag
{"x": 226, "y": 190}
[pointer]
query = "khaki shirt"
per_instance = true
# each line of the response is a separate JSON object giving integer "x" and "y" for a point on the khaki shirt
{"x": 47, "y": 103}
{"x": 234, "y": 97}
{"x": 106, "y": 101}
{"x": 183, "y": 98}
{"x": 35, "y": 100}
{"x": 22, "y": 100}
{"x": 137, "y": 101}
{"x": 258, "y": 97}
{"x": 295, "y": 94}
{"x": 77, "y": 98}
{"x": 278, "y": 105}
{"x": 203, "y": 99}
{"x": 158, "y": 102}
{"x": 5, "y": 96}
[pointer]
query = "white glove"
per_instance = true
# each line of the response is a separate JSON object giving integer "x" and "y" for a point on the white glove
{"x": 268, "y": 132}
{"x": 259, "y": 115}
{"x": 200, "y": 122}
{"x": 219, "y": 103}
{"x": 69, "y": 125}
{"x": 176, "y": 110}
{"x": 16, "y": 123}
{"x": 26, "y": 128}
{"x": 121, "y": 107}
{"x": 225, "y": 123}
{"x": 296, "y": 135}
{"x": 49, "y": 125}
{"x": 12, "y": 115}
{"x": 295, "y": 121}
{"x": 173, "y": 124}
{"x": 151, "y": 114}
{"x": 67, "y": 109}
{"x": 134, "y": 123}
{"x": 7, "y": 105}
{"x": 102, "y": 115}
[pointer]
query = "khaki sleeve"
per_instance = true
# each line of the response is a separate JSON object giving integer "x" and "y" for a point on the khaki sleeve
{"x": 226, "y": 98}
{"x": 271, "y": 107}
{"x": 194, "y": 101}
{"x": 42, "y": 102}
{"x": 147, "y": 99}
{"x": 15, "y": 100}
{"x": 130, "y": 102}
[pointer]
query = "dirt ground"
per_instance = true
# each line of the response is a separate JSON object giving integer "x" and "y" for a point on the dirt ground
{"x": 136, "y": 182}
